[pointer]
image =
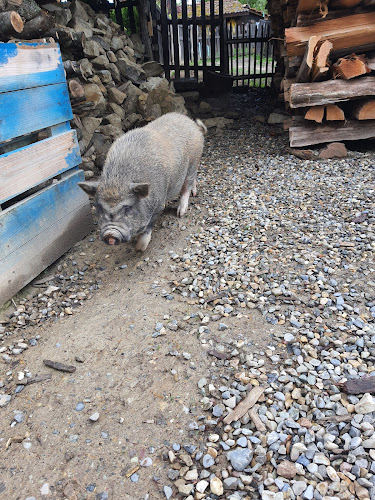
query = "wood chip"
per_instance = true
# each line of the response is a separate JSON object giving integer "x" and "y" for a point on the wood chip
{"x": 44, "y": 377}
{"x": 336, "y": 419}
{"x": 253, "y": 414}
{"x": 359, "y": 385}
{"x": 59, "y": 366}
{"x": 245, "y": 405}
{"x": 218, "y": 355}
{"x": 132, "y": 471}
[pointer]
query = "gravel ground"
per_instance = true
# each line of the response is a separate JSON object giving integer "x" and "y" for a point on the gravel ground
{"x": 283, "y": 246}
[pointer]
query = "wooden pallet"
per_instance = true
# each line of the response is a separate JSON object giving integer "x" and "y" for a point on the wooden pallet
{"x": 43, "y": 212}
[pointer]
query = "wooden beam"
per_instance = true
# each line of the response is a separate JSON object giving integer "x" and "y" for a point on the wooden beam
{"x": 330, "y": 92}
{"x": 344, "y": 33}
{"x": 307, "y": 61}
{"x": 321, "y": 65}
{"x": 308, "y": 134}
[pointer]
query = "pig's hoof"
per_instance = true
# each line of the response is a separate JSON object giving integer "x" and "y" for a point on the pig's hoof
{"x": 182, "y": 208}
{"x": 142, "y": 242}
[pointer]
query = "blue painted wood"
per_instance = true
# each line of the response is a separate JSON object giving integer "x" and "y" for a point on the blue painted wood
{"x": 26, "y": 65}
{"x": 39, "y": 229}
{"x": 60, "y": 128}
{"x": 31, "y": 165}
{"x": 21, "y": 222}
{"x": 26, "y": 111}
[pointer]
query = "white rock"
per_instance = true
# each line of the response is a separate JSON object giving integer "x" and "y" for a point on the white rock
{"x": 270, "y": 495}
{"x": 365, "y": 405}
{"x": 216, "y": 486}
{"x": 231, "y": 402}
{"x": 332, "y": 474}
{"x": 44, "y": 490}
{"x": 4, "y": 399}
{"x": 201, "y": 486}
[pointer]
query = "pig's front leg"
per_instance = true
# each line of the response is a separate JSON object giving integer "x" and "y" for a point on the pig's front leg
{"x": 143, "y": 240}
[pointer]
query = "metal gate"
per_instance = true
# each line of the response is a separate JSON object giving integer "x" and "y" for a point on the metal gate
{"x": 218, "y": 35}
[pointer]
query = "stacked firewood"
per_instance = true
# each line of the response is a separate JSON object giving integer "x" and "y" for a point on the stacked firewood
{"x": 112, "y": 88}
{"x": 329, "y": 58}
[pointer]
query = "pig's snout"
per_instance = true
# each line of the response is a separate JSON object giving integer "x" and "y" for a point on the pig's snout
{"x": 110, "y": 240}
{"x": 113, "y": 236}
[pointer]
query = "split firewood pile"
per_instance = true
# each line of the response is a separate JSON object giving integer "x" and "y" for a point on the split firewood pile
{"x": 112, "y": 86}
{"x": 327, "y": 68}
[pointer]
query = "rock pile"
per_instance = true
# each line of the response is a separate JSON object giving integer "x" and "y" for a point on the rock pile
{"x": 112, "y": 88}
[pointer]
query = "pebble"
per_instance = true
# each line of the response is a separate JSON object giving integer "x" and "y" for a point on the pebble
{"x": 94, "y": 417}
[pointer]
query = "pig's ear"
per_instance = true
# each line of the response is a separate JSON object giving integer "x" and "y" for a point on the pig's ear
{"x": 140, "y": 190}
{"x": 89, "y": 187}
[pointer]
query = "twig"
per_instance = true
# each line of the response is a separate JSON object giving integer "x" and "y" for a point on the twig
{"x": 240, "y": 410}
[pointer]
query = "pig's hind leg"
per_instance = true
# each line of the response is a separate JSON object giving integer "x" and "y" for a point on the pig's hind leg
{"x": 189, "y": 185}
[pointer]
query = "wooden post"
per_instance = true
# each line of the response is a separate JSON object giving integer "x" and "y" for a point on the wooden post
{"x": 185, "y": 39}
{"x": 165, "y": 39}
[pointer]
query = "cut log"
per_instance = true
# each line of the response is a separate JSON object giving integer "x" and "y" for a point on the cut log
{"x": 307, "y": 61}
{"x": 330, "y": 92}
{"x": 37, "y": 27}
{"x": 334, "y": 113}
{"x": 76, "y": 90}
{"x": 344, "y": 33}
{"x": 72, "y": 68}
{"x": 308, "y": 134}
{"x": 69, "y": 39}
{"x": 350, "y": 67}
{"x": 364, "y": 110}
{"x": 315, "y": 113}
{"x": 10, "y": 24}
{"x": 321, "y": 64}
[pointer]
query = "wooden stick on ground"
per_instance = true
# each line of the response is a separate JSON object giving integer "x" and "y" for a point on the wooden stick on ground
{"x": 242, "y": 407}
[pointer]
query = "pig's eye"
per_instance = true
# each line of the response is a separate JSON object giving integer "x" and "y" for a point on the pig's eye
{"x": 126, "y": 209}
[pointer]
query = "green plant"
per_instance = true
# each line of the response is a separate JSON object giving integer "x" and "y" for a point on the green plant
{"x": 126, "y": 19}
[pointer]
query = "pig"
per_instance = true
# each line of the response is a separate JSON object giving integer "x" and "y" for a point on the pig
{"x": 144, "y": 170}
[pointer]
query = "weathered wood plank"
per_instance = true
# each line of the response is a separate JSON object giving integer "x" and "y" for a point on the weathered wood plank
{"x": 344, "y": 33}
{"x": 29, "y": 65}
{"x": 33, "y": 109}
{"x": 38, "y": 230}
{"x": 330, "y": 92}
{"x": 29, "y": 166}
{"x": 308, "y": 134}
